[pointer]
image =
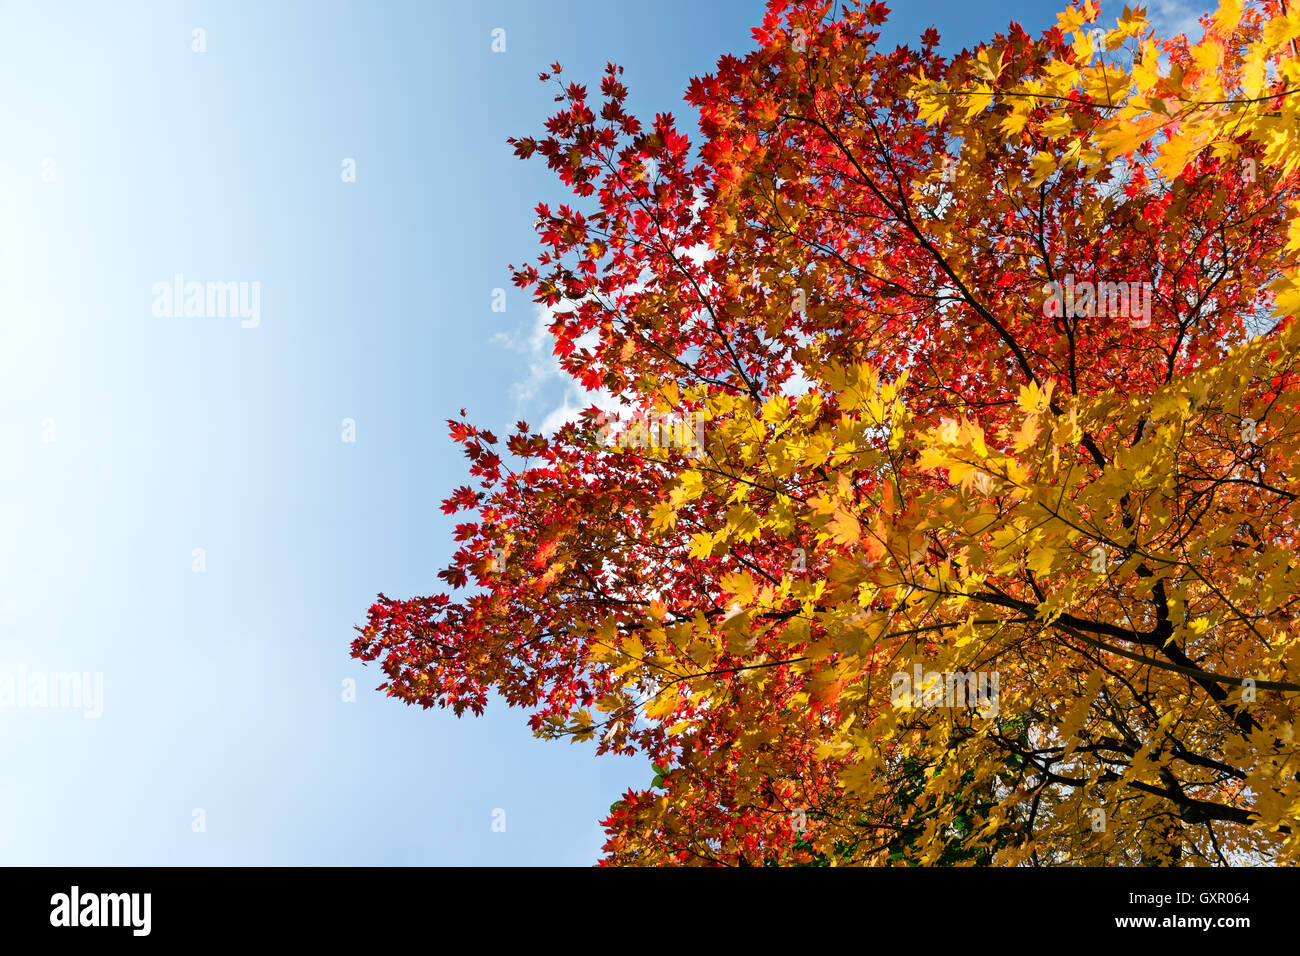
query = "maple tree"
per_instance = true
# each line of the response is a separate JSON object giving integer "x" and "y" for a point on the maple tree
{"x": 997, "y": 375}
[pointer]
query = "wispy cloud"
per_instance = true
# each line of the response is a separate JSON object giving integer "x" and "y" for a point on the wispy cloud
{"x": 1172, "y": 17}
{"x": 546, "y": 385}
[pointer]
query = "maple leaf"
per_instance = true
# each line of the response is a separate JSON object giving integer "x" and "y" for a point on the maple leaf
{"x": 844, "y": 527}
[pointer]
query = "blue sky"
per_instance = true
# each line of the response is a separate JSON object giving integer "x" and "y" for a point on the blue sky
{"x": 132, "y": 439}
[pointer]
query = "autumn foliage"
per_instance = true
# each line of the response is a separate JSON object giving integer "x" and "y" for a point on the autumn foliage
{"x": 919, "y": 457}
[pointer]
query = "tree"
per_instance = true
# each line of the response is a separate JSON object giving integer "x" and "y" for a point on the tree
{"x": 983, "y": 550}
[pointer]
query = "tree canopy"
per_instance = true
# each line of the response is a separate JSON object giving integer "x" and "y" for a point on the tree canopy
{"x": 949, "y": 509}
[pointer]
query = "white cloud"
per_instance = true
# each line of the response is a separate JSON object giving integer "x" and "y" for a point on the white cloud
{"x": 546, "y": 378}
{"x": 797, "y": 384}
{"x": 1172, "y": 17}
{"x": 547, "y": 382}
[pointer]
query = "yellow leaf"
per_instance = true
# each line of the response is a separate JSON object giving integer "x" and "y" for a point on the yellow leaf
{"x": 1013, "y": 123}
{"x": 1227, "y": 16}
{"x": 1025, "y": 436}
{"x": 662, "y": 704}
{"x": 844, "y": 527}
{"x": 1044, "y": 165}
